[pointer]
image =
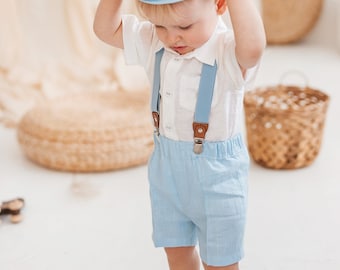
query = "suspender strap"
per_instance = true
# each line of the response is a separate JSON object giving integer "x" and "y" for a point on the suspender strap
{"x": 203, "y": 103}
{"x": 155, "y": 90}
{"x": 205, "y": 93}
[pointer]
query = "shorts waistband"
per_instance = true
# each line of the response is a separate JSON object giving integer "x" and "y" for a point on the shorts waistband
{"x": 218, "y": 149}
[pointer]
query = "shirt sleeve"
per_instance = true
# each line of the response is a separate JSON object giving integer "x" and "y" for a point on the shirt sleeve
{"x": 138, "y": 37}
{"x": 233, "y": 66}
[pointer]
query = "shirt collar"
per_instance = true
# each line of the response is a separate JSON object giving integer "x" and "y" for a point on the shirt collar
{"x": 207, "y": 52}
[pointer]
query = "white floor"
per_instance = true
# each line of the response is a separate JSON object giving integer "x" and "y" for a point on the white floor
{"x": 102, "y": 221}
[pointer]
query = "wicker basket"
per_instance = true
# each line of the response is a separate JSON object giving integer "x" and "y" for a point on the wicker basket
{"x": 89, "y": 132}
{"x": 287, "y": 21}
{"x": 285, "y": 125}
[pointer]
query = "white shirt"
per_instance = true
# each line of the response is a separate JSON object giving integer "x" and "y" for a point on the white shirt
{"x": 180, "y": 75}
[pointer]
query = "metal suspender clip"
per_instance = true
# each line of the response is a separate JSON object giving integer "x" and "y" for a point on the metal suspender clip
{"x": 198, "y": 146}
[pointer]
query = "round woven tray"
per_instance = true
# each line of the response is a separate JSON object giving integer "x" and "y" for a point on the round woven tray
{"x": 287, "y": 21}
{"x": 285, "y": 125}
{"x": 89, "y": 132}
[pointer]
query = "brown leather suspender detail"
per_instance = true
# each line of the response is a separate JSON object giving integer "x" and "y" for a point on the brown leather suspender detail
{"x": 200, "y": 129}
{"x": 155, "y": 117}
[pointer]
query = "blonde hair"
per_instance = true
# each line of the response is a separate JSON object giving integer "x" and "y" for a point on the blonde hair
{"x": 158, "y": 11}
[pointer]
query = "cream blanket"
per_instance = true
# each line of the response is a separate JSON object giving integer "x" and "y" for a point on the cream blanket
{"x": 48, "y": 48}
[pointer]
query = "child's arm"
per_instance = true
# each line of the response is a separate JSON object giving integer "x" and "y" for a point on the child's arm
{"x": 248, "y": 30}
{"x": 108, "y": 23}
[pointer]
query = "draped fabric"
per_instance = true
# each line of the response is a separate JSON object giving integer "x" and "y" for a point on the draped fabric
{"x": 338, "y": 26}
{"x": 48, "y": 49}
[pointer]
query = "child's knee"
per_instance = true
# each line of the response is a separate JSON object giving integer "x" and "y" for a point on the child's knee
{"x": 176, "y": 254}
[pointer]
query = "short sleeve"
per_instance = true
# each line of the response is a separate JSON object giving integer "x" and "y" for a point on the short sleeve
{"x": 137, "y": 38}
{"x": 233, "y": 66}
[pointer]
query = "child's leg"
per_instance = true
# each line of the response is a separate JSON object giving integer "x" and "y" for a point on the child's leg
{"x": 229, "y": 267}
{"x": 183, "y": 258}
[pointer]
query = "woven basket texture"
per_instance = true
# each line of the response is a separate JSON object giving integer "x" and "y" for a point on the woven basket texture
{"x": 287, "y": 21}
{"x": 89, "y": 132}
{"x": 285, "y": 125}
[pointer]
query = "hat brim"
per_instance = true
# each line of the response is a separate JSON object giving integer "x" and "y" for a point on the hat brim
{"x": 160, "y": 2}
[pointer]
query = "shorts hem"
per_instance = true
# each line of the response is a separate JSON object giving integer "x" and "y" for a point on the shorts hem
{"x": 225, "y": 261}
{"x": 168, "y": 244}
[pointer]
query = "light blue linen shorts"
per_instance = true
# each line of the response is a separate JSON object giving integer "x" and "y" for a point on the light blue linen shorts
{"x": 200, "y": 197}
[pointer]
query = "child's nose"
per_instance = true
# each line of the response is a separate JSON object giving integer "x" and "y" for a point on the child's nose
{"x": 173, "y": 36}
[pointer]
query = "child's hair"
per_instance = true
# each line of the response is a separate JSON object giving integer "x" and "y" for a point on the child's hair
{"x": 157, "y": 11}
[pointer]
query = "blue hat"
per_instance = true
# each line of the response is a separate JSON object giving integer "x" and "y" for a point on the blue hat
{"x": 160, "y": 2}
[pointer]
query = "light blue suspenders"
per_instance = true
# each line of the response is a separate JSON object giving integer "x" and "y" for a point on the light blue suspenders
{"x": 203, "y": 103}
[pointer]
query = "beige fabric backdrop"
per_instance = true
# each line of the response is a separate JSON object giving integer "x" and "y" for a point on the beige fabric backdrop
{"x": 48, "y": 48}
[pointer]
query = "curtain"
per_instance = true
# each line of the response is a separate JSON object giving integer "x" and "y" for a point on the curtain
{"x": 48, "y": 49}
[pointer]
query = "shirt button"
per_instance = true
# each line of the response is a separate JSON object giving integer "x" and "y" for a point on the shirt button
{"x": 168, "y": 127}
{"x": 168, "y": 93}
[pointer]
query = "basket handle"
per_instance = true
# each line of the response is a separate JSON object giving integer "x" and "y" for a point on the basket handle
{"x": 299, "y": 73}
